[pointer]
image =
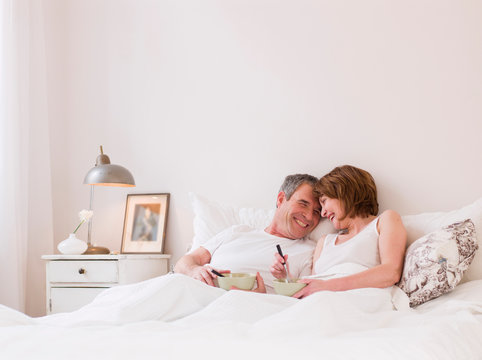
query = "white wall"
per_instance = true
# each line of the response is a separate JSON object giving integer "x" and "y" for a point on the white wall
{"x": 224, "y": 98}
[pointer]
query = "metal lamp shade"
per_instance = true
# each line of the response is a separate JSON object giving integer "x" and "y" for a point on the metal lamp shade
{"x": 109, "y": 175}
{"x": 105, "y": 174}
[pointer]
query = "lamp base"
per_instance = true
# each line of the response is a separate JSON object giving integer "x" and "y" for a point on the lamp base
{"x": 96, "y": 250}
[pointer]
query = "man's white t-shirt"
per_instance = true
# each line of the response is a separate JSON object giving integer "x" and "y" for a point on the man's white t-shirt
{"x": 243, "y": 249}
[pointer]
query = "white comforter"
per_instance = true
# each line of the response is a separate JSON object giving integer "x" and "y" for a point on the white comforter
{"x": 175, "y": 317}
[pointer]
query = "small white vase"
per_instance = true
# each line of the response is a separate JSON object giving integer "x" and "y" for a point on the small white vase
{"x": 72, "y": 246}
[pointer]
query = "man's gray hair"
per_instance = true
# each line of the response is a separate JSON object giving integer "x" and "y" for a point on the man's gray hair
{"x": 293, "y": 182}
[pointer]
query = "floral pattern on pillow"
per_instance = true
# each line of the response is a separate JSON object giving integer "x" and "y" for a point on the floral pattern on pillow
{"x": 435, "y": 263}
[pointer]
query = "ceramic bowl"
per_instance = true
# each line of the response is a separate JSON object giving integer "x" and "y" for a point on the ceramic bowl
{"x": 240, "y": 280}
{"x": 287, "y": 288}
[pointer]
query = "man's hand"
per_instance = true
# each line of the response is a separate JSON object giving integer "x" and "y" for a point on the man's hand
{"x": 277, "y": 268}
{"x": 260, "y": 287}
{"x": 204, "y": 274}
{"x": 196, "y": 265}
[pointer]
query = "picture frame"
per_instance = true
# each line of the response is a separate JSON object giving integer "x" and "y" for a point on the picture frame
{"x": 145, "y": 223}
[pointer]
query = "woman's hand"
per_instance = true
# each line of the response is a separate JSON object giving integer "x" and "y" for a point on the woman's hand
{"x": 312, "y": 286}
{"x": 277, "y": 268}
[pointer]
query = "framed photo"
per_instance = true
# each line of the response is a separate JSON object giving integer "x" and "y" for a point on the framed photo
{"x": 145, "y": 223}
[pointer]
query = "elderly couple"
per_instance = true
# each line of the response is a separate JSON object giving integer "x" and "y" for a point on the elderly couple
{"x": 347, "y": 197}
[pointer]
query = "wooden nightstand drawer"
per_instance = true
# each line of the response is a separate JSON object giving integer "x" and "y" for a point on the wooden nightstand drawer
{"x": 74, "y": 280}
{"x": 70, "y": 299}
{"x": 84, "y": 271}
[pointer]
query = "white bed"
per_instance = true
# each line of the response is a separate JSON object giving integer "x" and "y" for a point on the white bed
{"x": 355, "y": 324}
{"x": 175, "y": 317}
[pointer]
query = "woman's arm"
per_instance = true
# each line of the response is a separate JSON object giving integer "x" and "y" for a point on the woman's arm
{"x": 391, "y": 243}
{"x": 317, "y": 253}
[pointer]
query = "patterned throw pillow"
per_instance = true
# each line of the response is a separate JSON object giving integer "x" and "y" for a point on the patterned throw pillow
{"x": 435, "y": 263}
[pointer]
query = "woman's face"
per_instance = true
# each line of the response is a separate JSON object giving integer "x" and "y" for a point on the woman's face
{"x": 332, "y": 209}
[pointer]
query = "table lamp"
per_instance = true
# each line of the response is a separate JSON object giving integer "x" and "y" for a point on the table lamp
{"x": 105, "y": 174}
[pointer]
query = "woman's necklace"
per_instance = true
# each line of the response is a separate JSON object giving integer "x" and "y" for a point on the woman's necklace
{"x": 346, "y": 231}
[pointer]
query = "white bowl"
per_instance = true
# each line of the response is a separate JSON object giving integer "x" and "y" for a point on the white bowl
{"x": 287, "y": 288}
{"x": 240, "y": 280}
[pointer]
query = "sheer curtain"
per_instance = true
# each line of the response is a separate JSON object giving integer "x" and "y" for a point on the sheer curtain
{"x": 13, "y": 152}
{"x": 23, "y": 146}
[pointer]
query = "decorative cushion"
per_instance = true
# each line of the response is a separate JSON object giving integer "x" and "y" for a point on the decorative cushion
{"x": 435, "y": 263}
{"x": 422, "y": 224}
{"x": 211, "y": 218}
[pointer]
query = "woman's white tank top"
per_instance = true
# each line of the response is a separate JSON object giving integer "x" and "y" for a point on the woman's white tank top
{"x": 361, "y": 249}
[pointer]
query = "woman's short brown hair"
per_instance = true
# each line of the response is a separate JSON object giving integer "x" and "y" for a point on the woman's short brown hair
{"x": 354, "y": 187}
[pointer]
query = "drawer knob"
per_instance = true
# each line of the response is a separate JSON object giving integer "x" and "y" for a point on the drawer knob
{"x": 81, "y": 271}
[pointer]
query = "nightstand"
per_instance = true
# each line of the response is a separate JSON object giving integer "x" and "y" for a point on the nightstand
{"x": 74, "y": 280}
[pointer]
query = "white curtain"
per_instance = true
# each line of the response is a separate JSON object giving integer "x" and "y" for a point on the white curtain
{"x": 24, "y": 157}
{"x": 13, "y": 153}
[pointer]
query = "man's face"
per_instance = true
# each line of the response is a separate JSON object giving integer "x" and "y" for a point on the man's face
{"x": 299, "y": 215}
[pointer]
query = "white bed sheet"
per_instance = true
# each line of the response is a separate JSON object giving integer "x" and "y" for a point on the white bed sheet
{"x": 175, "y": 317}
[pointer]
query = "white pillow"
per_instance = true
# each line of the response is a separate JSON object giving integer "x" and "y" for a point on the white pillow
{"x": 425, "y": 223}
{"x": 211, "y": 218}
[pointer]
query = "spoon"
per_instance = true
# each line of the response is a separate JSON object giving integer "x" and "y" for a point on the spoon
{"x": 217, "y": 273}
{"x": 284, "y": 263}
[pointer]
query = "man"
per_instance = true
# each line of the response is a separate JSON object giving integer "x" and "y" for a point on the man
{"x": 244, "y": 249}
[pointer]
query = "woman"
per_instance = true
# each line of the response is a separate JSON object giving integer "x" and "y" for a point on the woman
{"x": 367, "y": 251}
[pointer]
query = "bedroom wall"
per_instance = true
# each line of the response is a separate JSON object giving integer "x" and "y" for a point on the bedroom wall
{"x": 224, "y": 98}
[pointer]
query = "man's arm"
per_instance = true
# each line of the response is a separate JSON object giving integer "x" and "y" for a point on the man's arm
{"x": 192, "y": 264}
